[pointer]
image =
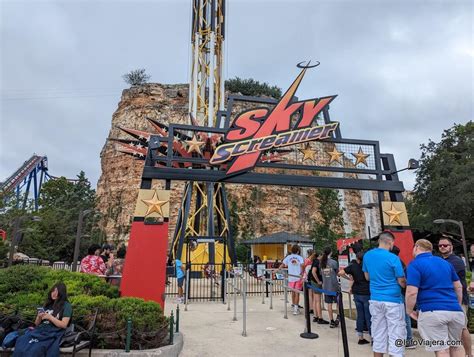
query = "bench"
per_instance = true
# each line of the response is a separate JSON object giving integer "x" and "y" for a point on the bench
{"x": 82, "y": 338}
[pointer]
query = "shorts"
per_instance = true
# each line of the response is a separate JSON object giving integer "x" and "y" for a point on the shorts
{"x": 316, "y": 285}
{"x": 388, "y": 327}
{"x": 330, "y": 299}
{"x": 465, "y": 308}
{"x": 180, "y": 282}
{"x": 297, "y": 285}
{"x": 444, "y": 328}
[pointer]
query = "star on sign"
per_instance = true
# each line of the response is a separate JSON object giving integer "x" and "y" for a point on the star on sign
{"x": 194, "y": 145}
{"x": 154, "y": 205}
{"x": 393, "y": 215}
{"x": 308, "y": 153}
{"x": 360, "y": 157}
{"x": 335, "y": 155}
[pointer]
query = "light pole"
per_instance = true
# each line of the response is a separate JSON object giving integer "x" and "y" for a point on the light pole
{"x": 77, "y": 243}
{"x": 463, "y": 238}
{"x": 368, "y": 206}
{"x": 16, "y": 232}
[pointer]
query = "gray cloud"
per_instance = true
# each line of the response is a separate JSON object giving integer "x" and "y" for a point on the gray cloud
{"x": 403, "y": 70}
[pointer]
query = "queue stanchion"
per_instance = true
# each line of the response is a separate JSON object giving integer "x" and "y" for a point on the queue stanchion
{"x": 307, "y": 334}
{"x": 186, "y": 291}
{"x": 224, "y": 287}
{"x": 263, "y": 290}
{"x": 285, "y": 291}
{"x": 228, "y": 289}
{"x": 235, "y": 298}
{"x": 345, "y": 344}
{"x": 271, "y": 290}
{"x": 266, "y": 282}
{"x": 244, "y": 305}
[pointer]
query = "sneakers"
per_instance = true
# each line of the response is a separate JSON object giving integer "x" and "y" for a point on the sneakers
{"x": 410, "y": 345}
{"x": 322, "y": 322}
{"x": 363, "y": 341}
{"x": 296, "y": 311}
{"x": 332, "y": 324}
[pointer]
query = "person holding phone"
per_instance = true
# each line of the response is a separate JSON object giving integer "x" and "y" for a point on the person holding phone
{"x": 51, "y": 323}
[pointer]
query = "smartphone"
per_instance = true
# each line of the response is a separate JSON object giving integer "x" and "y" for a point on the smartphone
{"x": 40, "y": 310}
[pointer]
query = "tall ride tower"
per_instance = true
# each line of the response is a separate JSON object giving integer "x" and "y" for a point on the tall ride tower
{"x": 203, "y": 226}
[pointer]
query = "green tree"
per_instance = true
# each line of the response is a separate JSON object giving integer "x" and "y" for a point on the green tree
{"x": 330, "y": 228}
{"x": 53, "y": 236}
{"x": 252, "y": 87}
{"x": 445, "y": 182}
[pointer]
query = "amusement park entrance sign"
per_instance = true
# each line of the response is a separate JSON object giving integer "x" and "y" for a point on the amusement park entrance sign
{"x": 261, "y": 129}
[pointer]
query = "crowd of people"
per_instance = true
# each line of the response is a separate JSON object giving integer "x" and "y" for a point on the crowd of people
{"x": 432, "y": 290}
{"x": 101, "y": 261}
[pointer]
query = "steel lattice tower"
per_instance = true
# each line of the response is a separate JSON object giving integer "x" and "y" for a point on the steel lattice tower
{"x": 204, "y": 216}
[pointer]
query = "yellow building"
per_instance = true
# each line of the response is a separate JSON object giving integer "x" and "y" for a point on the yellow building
{"x": 277, "y": 245}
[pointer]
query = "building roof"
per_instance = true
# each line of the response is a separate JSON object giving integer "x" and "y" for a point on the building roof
{"x": 279, "y": 238}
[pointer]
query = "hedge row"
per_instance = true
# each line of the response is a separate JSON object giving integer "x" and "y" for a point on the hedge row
{"x": 25, "y": 287}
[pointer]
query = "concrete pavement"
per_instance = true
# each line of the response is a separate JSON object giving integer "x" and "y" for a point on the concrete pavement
{"x": 209, "y": 331}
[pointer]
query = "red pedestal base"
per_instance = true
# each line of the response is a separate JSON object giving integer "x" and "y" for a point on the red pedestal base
{"x": 144, "y": 273}
{"x": 404, "y": 241}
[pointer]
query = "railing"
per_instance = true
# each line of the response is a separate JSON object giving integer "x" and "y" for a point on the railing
{"x": 231, "y": 289}
{"x": 208, "y": 284}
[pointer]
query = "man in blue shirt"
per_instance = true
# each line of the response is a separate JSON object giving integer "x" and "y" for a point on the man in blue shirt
{"x": 384, "y": 271}
{"x": 445, "y": 246}
{"x": 180, "y": 276}
{"x": 434, "y": 286}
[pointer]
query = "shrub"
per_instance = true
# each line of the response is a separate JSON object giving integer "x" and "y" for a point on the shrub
{"x": 25, "y": 287}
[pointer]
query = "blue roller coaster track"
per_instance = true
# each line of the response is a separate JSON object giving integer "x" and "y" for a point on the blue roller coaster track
{"x": 27, "y": 180}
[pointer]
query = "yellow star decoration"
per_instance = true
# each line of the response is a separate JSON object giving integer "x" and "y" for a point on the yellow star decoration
{"x": 360, "y": 157}
{"x": 194, "y": 145}
{"x": 393, "y": 215}
{"x": 154, "y": 205}
{"x": 335, "y": 155}
{"x": 308, "y": 153}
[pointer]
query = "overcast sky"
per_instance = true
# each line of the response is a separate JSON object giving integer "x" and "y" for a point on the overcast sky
{"x": 403, "y": 70}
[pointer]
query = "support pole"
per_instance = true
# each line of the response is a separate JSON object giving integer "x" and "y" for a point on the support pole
{"x": 244, "y": 304}
{"x": 235, "y": 299}
{"x": 285, "y": 289}
{"x": 307, "y": 334}
{"x": 187, "y": 290}
{"x": 228, "y": 289}
{"x": 271, "y": 290}
{"x": 177, "y": 318}
{"x": 129, "y": 334}
{"x": 345, "y": 344}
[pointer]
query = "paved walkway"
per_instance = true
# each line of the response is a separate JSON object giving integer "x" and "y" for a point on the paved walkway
{"x": 209, "y": 331}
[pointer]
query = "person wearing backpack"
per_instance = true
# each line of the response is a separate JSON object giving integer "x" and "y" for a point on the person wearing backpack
{"x": 51, "y": 323}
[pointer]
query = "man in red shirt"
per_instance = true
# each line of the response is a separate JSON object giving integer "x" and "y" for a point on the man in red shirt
{"x": 93, "y": 263}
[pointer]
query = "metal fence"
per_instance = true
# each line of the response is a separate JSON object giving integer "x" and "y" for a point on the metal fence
{"x": 59, "y": 265}
{"x": 207, "y": 283}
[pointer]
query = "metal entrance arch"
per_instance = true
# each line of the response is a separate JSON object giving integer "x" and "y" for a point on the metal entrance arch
{"x": 179, "y": 152}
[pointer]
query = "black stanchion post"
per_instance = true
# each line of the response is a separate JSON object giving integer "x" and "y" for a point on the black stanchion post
{"x": 177, "y": 318}
{"x": 266, "y": 283}
{"x": 343, "y": 324}
{"x": 307, "y": 334}
{"x": 171, "y": 328}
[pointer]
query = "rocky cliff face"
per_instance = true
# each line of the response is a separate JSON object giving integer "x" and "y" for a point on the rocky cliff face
{"x": 261, "y": 209}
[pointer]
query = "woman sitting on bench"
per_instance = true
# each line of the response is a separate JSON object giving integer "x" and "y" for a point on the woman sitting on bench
{"x": 51, "y": 323}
